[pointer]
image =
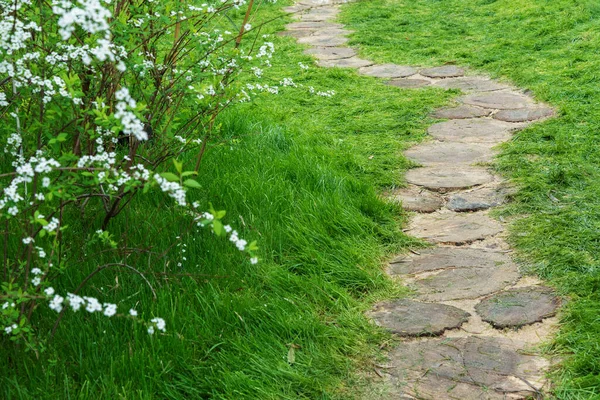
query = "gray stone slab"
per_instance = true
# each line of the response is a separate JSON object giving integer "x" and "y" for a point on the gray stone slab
{"x": 445, "y": 71}
{"x": 333, "y": 32}
{"x": 465, "y": 283}
{"x": 352, "y": 62}
{"x": 438, "y": 258}
{"x": 471, "y": 84}
{"x": 461, "y": 112}
{"x": 300, "y": 33}
{"x": 514, "y": 308}
{"x": 477, "y": 130}
{"x": 466, "y": 368}
{"x": 319, "y": 14}
{"x": 498, "y": 100}
{"x": 409, "y": 83}
{"x": 295, "y": 8}
{"x": 524, "y": 115}
{"x": 388, "y": 71}
{"x": 313, "y": 25}
{"x": 418, "y": 199}
{"x": 411, "y": 318}
{"x": 448, "y": 178}
{"x": 330, "y": 53}
{"x": 450, "y": 153}
{"x": 324, "y": 41}
{"x": 479, "y": 199}
{"x": 455, "y": 228}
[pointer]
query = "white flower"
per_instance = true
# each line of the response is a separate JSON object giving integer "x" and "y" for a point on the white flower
{"x": 150, "y": 330}
{"x": 93, "y": 305}
{"x": 49, "y": 291}
{"x": 133, "y": 313}
{"x": 36, "y": 281}
{"x": 56, "y": 303}
{"x": 36, "y": 271}
{"x": 254, "y": 260}
{"x": 45, "y": 181}
{"x": 160, "y": 323}
{"x": 110, "y": 309}
{"x": 75, "y": 301}
{"x": 28, "y": 240}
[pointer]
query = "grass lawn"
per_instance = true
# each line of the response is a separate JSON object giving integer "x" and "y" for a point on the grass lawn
{"x": 300, "y": 174}
{"x": 553, "y": 49}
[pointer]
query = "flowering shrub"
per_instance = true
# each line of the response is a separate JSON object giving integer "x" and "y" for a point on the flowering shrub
{"x": 99, "y": 99}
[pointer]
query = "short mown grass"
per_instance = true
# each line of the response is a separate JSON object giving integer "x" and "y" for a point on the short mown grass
{"x": 300, "y": 174}
{"x": 553, "y": 49}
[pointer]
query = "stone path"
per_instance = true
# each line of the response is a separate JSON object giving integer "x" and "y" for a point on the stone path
{"x": 471, "y": 329}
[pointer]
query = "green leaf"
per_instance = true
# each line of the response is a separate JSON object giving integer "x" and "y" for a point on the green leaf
{"x": 220, "y": 214}
{"x": 252, "y": 246}
{"x": 191, "y": 183}
{"x": 188, "y": 173}
{"x": 171, "y": 177}
{"x": 218, "y": 227}
{"x": 291, "y": 357}
{"x": 178, "y": 166}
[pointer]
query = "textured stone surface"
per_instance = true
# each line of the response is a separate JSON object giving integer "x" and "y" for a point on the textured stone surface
{"x": 524, "y": 115}
{"x": 409, "y": 83}
{"x": 471, "y": 84}
{"x": 411, "y": 318}
{"x": 300, "y": 33}
{"x": 445, "y": 71}
{"x": 447, "y": 178}
{"x": 517, "y": 307}
{"x": 498, "y": 100}
{"x": 323, "y": 41}
{"x": 478, "y": 199}
{"x": 313, "y": 25}
{"x": 330, "y": 53}
{"x": 449, "y": 227}
{"x": 450, "y": 153}
{"x": 332, "y": 32}
{"x": 295, "y": 8}
{"x": 418, "y": 199}
{"x": 320, "y": 14}
{"x": 466, "y": 368}
{"x": 461, "y": 112}
{"x": 352, "y": 62}
{"x": 437, "y": 258}
{"x": 466, "y": 283}
{"x": 472, "y": 131}
{"x": 388, "y": 71}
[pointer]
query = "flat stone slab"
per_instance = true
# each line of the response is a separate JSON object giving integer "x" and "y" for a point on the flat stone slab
{"x": 333, "y": 32}
{"x": 446, "y": 178}
{"x": 300, "y": 33}
{"x": 466, "y": 368}
{"x": 466, "y": 283}
{"x": 313, "y": 25}
{"x": 295, "y": 8}
{"x": 514, "y": 308}
{"x": 388, "y": 71}
{"x": 352, "y": 62}
{"x": 498, "y": 100}
{"x": 471, "y": 84}
{"x": 409, "y": 83}
{"x": 479, "y": 199}
{"x": 411, "y": 318}
{"x": 445, "y": 71}
{"x": 438, "y": 258}
{"x": 524, "y": 115}
{"x": 330, "y": 53}
{"x": 461, "y": 112}
{"x": 450, "y": 153}
{"x": 418, "y": 199}
{"x": 324, "y": 41}
{"x": 454, "y": 228}
{"x": 472, "y": 130}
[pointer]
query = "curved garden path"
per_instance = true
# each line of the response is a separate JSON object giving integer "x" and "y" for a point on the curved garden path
{"x": 471, "y": 329}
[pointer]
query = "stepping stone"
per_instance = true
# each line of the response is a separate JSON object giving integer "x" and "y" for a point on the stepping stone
{"x": 498, "y": 100}
{"x": 461, "y": 112}
{"x": 446, "y": 71}
{"x": 330, "y": 53}
{"x": 296, "y": 34}
{"x": 447, "y": 178}
{"x": 454, "y": 228}
{"x": 388, "y": 71}
{"x": 295, "y": 8}
{"x": 410, "y": 318}
{"x": 409, "y": 83}
{"x": 438, "y": 258}
{"x": 333, "y": 32}
{"x": 478, "y": 199}
{"x": 320, "y": 14}
{"x": 471, "y": 84}
{"x": 352, "y": 62}
{"x": 450, "y": 153}
{"x": 466, "y": 368}
{"x": 514, "y": 308}
{"x": 524, "y": 115}
{"x": 472, "y": 130}
{"x": 418, "y": 199}
{"x": 324, "y": 41}
{"x": 313, "y": 25}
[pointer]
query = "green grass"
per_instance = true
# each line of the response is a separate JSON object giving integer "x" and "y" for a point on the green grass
{"x": 553, "y": 49}
{"x": 298, "y": 173}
